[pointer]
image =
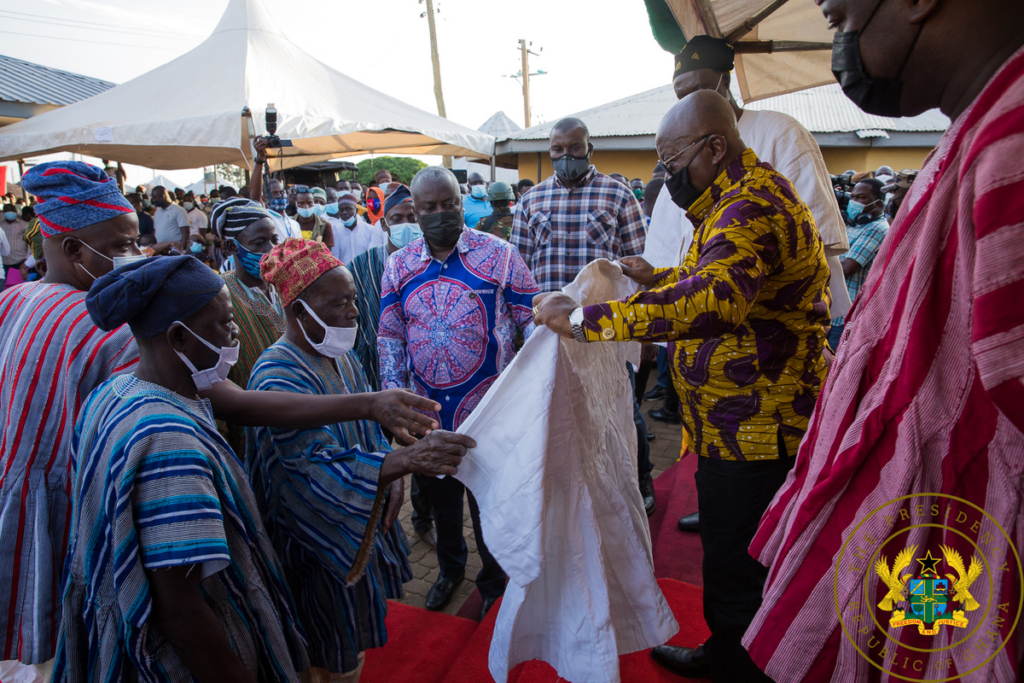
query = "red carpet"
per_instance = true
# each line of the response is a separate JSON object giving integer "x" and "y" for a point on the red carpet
{"x": 677, "y": 555}
{"x": 422, "y": 646}
{"x": 684, "y": 599}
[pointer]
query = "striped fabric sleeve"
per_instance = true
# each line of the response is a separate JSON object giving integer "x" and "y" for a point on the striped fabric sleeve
{"x": 998, "y": 287}
{"x": 328, "y": 496}
{"x": 176, "y": 506}
{"x": 713, "y": 300}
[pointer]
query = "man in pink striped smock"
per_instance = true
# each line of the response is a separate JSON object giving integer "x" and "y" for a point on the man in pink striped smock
{"x": 51, "y": 357}
{"x": 925, "y": 401}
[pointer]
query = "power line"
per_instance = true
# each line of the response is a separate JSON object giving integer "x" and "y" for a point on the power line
{"x": 75, "y": 23}
{"x": 82, "y": 40}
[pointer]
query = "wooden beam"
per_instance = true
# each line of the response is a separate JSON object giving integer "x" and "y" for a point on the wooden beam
{"x": 750, "y": 23}
{"x": 707, "y": 15}
{"x": 770, "y": 46}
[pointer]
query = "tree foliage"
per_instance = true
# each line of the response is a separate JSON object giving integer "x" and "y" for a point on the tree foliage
{"x": 229, "y": 174}
{"x": 402, "y": 168}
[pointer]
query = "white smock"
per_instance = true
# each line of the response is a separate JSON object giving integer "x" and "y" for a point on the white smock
{"x": 554, "y": 473}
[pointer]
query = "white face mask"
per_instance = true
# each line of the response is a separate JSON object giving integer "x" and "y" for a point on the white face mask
{"x": 118, "y": 261}
{"x": 337, "y": 340}
{"x": 226, "y": 357}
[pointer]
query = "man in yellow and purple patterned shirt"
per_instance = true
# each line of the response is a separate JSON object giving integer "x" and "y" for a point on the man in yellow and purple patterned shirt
{"x": 746, "y": 316}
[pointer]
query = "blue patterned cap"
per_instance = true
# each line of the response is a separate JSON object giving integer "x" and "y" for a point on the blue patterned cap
{"x": 74, "y": 195}
{"x": 151, "y": 294}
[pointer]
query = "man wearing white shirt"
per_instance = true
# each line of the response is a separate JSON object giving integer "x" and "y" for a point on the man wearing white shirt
{"x": 198, "y": 222}
{"x": 705, "y": 64}
{"x": 352, "y": 235}
{"x": 170, "y": 222}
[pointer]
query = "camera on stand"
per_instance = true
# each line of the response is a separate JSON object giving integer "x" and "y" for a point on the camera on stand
{"x": 273, "y": 140}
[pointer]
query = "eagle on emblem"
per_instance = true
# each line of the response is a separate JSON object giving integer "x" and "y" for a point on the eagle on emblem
{"x": 892, "y": 578}
{"x": 967, "y": 577}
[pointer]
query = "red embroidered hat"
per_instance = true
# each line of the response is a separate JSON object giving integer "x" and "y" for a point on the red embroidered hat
{"x": 294, "y": 265}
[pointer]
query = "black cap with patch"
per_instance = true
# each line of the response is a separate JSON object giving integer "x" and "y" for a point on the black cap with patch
{"x": 705, "y": 52}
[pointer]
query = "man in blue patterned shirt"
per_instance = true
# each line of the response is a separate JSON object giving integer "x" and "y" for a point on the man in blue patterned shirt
{"x": 451, "y": 303}
{"x": 868, "y": 227}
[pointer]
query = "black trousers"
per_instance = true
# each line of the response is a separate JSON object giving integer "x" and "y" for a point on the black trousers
{"x": 422, "y": 509}
{"x": 643, "y": 447}
{"x": 731, "y": 497}
{"x": 446, "y": 497}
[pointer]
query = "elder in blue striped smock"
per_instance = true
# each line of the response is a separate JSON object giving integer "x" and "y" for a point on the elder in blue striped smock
{"x": 321, "y": 505}
{"x": 157, "y": 486}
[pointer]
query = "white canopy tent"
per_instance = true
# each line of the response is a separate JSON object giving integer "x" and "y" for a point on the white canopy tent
{"x": 147, "y": 122}
{"x": 782, "y": 46}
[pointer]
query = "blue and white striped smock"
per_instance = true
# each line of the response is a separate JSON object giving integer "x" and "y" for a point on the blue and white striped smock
{"x": 156, "y": 486}
{"x": 317, "y": 490}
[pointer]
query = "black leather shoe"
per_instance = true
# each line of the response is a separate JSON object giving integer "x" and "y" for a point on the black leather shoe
{"x": 690, "y": 523}
{"x": 655, "y": 394}
{"x": 651, "y": 436}
{"x": 440, "y": 594}
{"x": 488, "y": 604}
{"x": 685, "y": 661}
{"x": 647, "y": 491}
{"x": 662, "y": 415}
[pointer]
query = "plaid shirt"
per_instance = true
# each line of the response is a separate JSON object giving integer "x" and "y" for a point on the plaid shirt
{"x": 559, "y": 230}
{"x": 865, "y": 241}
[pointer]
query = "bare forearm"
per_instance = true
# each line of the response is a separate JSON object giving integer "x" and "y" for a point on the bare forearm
{"x": 256, "y": 183}
{"x": 285, "y": 410}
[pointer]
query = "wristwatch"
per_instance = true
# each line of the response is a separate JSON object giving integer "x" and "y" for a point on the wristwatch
{"x": 576, "y": 320}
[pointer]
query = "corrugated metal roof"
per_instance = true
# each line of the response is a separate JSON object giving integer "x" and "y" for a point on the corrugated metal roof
{"x": 500, "y": 126}
{"x": 22, "y": 81}
{"x": 821, "y": 110}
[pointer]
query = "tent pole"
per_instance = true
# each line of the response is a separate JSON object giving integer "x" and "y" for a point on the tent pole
{"x": 494, "y": 170}
{"x": 21, "y": 174}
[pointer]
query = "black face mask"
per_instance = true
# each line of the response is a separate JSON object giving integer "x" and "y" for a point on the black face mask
{"x": 442, "y": 229}
{"x": 569, "y": 169}
{"x": 878, "y": 96}
{"x": 684, "y": 194}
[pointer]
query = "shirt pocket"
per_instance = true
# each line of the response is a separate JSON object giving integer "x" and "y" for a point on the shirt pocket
{"x": 601, "y": 229}
{"x": 540, "y": 227}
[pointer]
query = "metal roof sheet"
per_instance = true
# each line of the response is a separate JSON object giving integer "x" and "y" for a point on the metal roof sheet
{"x": 22, "y": 81}
{"x": 500, "y": 126}
{"x": 821, "y": 110}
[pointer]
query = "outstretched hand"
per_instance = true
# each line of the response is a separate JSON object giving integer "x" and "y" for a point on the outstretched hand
{"x": 397, "y": 410}
{"x": 553, "y": 310}
{"x": 638, "y": 270}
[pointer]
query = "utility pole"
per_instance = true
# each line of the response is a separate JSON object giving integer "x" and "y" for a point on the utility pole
{"x": 436, "y": 59}
{"x": 526, "y": 82}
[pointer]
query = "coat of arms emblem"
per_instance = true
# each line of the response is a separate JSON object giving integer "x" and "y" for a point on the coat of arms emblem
{"x": 930, "y": 597}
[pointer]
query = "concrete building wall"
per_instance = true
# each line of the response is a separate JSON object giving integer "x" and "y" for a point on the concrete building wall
{"x": 839, "y": 159}
{"x": 640, "y": 163}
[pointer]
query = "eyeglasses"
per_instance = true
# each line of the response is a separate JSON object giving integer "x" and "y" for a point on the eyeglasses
{"x": 666, "y": 163}
{"x": 301, "y": 189}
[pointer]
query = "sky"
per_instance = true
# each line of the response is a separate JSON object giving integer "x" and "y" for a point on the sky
{"x": 593, "y": 52}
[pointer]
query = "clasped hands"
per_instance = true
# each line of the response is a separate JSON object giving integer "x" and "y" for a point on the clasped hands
{"x": 553, "y": 309}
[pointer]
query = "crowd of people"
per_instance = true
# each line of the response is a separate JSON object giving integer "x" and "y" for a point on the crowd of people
{"x": 211, "y": 404}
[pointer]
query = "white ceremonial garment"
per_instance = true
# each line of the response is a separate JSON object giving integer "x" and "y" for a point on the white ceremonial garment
{"x": 554, "y": 473}
{"x": 351, "y": 243}
{"x": 781, "y": 141}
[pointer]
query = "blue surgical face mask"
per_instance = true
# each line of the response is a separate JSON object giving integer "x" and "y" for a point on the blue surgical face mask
{"x": 349, "y": 222}
{"x": 304, "y": 211}
{"x": 854, "y": 209}
{"x": 249, "y": 260}
{"x": 188, "y": 206}
{"x": 196, "y": 248}
{"x": 478, "y": 191}
{"x": 146, "y": 203}
{"x": 319, "y": 209}
{"x": 332, "y": 208}
{"x": 403, "y": 234}
{"x": 10, "y": 215}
